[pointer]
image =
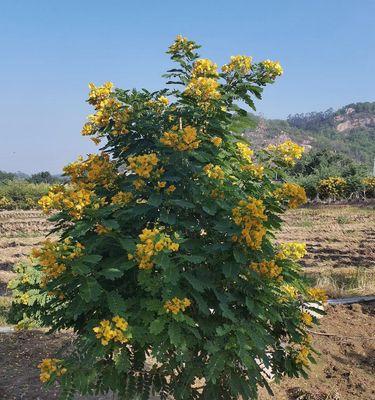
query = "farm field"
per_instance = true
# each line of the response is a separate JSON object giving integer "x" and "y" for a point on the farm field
{"x": 341, "y": 258}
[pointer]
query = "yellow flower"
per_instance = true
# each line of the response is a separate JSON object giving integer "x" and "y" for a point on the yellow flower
{"x": 292, "y": 250}
{"x": 108, "y": 331}
{"x": 182, "y": 140}
{"x": 181, "y": 45}
{"x": 213, "y": 171}
{"x": 143, "y": 165}
{"x": 245, "y": 151}
{"x": 98, "y": 94}
{"x": 272, "y": 68}
{"x": 302, "y": 356}
{"x": 163, "y": 100}
{"x": 50, "y": 366}
{"x": 152, "y": 242}
{"x": 290, "y": 293}
{"x": 287, "y": 152}
{"x": 292, "y": 192}
{"x": 216, "y": 141}
{"x": 333, "y": 186}
{"x": 139, "y": 184}
{"x": 176, "y": 305}
{"x": 306, "y": 318}
{"x": 240, "y": 64}
{"x": 170, "y": 189}
{"x": 318, "y": 294}
{"x": 204, "y": 67}
{"x": 204, "y": 90}
{"x": 267, "y": 268}
{"x": 101, "y": 229}
{"x": 122, "y": 198}
{"x": 249, "y": 215}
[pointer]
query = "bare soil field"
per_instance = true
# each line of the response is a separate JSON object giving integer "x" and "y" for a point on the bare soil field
{"x": 341, "y": 245}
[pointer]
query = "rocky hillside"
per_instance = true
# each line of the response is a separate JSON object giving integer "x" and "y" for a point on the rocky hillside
{"x": 349, "y": 130}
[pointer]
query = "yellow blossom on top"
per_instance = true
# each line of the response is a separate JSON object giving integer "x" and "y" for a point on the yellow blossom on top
{"x": 98, "y": 94}
{"x": 204, "y": 90}
{"x": 181, "y": 44}
{"x": 163, "y": 100}
{"x": 241, "y": 64}
{"x": 287, "y": 152}
{"x": 204, "y": 67}
{"x": 272, "y": 68}
{"x": 306, "y": 318}
{"x": 290, "y": 293}
{"x": 143, "y": 165}
{"x": 176, "y": 305}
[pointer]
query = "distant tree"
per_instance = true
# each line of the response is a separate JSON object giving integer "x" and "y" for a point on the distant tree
{"x": 6, "y": 176}
{"x": 42, "y": 177}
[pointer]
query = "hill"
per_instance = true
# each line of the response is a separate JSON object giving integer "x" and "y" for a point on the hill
{"x": 349, "y": 130}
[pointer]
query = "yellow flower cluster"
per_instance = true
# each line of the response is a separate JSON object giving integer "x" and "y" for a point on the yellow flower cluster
{"x": 317, "y": 294}
{"x": 163, "y": 100}
{"x": 99, "y": 94}
{"x": 287, "y": 152}
{"x": 306, "y": 318}
{"x": 290, "y": 293}
{"x": 143, "y": 165}
{"x": 204, "y": 90}
{"x": 73, "y": 200}
{"x": 292, "y": 250}
{"x": 182, "y": 140}
{"x": 112, "y": 330}
{"x": 333, "y": 186}
{"x": 52, "y": 257}
{"x": 369, "y": 182}
{"x": 249, "y": 214}
{"x": 98, "y": 169}
{"x": 245, "y": 151}
{"x": 272, "y": 68}
{"x": 216, "y": 141}
{"x": 240, "y": 64}
{"x": 121, "y": 198}
{"x": 181, "y": 44}
{"x": 170, "y": 189}
{"x": 268, "y": 269}
{"x": 256, "y": 170}
{"x": 107, "y": 109}
{"x": 176, "y": 305}
{"x": 292, "y": 192}
{"x": 216, "y": 194}
{"x": 50, "y": 366}
{"x": 204, "y": 67}
{"x": 152, "y": 242}
{"x": 302, "y": 356}
{"x": 213, "y": 171}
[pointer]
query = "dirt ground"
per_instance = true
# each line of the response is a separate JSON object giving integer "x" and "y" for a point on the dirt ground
{"x": 345, "y": 369}
{"x": 340, "y": 240}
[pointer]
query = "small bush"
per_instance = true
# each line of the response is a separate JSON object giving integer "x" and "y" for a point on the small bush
{"x": 166, "y": 268}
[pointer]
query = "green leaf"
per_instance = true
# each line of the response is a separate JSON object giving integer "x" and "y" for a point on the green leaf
{"x": 116, "y": 303}
{"x": 198, "y": 284}
{"x": 111, "y": 224}
{"x": 127, "y": 244}
{"x": 91, "y": 258}
{"x": 155, "y": 199}
{"x": 239, "y": 255}
{"x": 194, "y": 259}
{"x": 90, "y": 290}
{"x": 80, "y": 268}
{"x": 111, "y": 273}
{"x": 231, "y": 269}
{"x": 182, "y": 203}
{"x": 167, "y": 218}
{"x": 157, "y": 326}
{"x": 210, "y": 209}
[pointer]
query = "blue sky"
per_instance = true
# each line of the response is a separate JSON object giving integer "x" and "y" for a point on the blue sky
{"x": 50, "y": 50}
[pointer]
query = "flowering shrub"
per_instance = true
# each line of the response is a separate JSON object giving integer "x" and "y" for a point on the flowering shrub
{"x": 332, "y": 187}
{"x": 166, "y": 267}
